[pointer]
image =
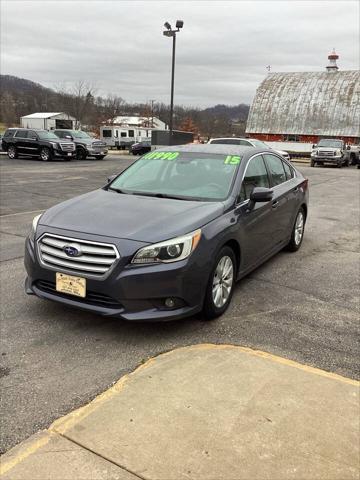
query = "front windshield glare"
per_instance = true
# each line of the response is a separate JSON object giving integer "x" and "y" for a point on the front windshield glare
{"x": 47, "y": 136}
{"x": 198, "y": 176}
{"x": 330, "y": 143}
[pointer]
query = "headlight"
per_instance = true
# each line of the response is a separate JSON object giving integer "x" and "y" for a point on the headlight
{"x": 170, "y": 251}
{"x": 33, "y": 227}
{"x": 313, "y": 153}
{"x": 55, "y": 145}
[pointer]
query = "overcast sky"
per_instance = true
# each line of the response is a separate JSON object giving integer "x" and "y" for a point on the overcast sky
{"x": 222, "y": 51}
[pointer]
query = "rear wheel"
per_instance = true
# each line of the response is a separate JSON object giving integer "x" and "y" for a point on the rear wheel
{"x": 221, "y": 284}
{"x": 12, "y": 152}
{"x": 45, "y": 154}
{"x": 297, "y": 233}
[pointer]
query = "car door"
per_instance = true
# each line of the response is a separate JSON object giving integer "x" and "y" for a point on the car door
{"x": 20, "y": 141}
{"x": 282, "y": 205}
{"x": 256, "y": 225}
{"x": 32, "y": 143}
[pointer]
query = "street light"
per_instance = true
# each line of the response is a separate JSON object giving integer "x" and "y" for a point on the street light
{"x": 169, "y": 32}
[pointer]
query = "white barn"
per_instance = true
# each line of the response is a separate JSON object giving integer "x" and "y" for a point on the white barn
{"x": 48, "y": 120}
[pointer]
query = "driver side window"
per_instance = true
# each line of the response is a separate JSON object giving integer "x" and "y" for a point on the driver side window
{"x": 256, "y": 176}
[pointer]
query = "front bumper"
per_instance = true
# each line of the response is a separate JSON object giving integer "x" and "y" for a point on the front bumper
{"x": 64, "y": 155}
{"x": 135, "y": 293}
{"x": 97, "y": 152}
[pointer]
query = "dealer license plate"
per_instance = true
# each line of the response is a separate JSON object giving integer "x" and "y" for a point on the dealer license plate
{"x": 69, "y": 154}
{"x": 71, "y": 285}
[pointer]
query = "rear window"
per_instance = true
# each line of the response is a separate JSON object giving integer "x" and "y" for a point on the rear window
{"x": 9, "y": 133}
{"x": 225, "y": 141}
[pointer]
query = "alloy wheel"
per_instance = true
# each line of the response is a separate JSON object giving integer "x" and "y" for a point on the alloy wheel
{"x": 45, "y": 155}
{"x": 11, "y": 152}
{"x": 222, "y": 281}
{"x": 299, "y": 228}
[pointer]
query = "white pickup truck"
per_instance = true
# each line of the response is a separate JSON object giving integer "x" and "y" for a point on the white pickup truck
{"x": 331, "y": 150}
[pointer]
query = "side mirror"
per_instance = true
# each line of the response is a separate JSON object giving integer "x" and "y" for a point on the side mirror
{"x": 260, "y": 195}
{"x": 69, "y": 137}
{"x": 348, "y": 147}
{"x": 314, "y": 145}
{"x": 111, "y": 178}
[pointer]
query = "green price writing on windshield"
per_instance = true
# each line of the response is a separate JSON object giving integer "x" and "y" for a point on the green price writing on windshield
{"x": 232, "y": 160}
{"x": 162, "y": 155}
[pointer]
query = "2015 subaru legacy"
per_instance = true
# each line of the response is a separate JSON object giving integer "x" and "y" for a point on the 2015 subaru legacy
{"x": 170, "y": 235}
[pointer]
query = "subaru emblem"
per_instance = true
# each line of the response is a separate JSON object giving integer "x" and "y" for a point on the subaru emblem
{"x": 72, "y": 251}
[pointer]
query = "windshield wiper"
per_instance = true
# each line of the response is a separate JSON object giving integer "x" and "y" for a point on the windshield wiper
{"x": 165, "y": 195}
{"x": 117, "y": 190}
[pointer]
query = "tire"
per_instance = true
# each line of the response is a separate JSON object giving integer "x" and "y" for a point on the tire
{"x": 80, "y": 154}
{"x": 216, "y": 284}
{"x": 312, "y": 163}
{"x": 339, "y": 164}
{"x": 295, "y": 240}
{"x": 353, "y": 159}
{"x": 347, "y": 163}
{"x": 100, "y": 157}
{"x": 12, "y": 152}
{"x": 45, "y": 154}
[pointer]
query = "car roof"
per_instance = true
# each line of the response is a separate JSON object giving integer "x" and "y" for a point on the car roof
{"x": 217, "y": 149}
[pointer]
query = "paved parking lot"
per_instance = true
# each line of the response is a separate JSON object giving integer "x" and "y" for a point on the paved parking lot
{"x": 301, "y": 306}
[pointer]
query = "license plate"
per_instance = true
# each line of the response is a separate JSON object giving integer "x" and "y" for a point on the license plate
{"x": 71, "y": 285}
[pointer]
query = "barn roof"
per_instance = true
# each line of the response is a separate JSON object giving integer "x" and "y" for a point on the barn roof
{"x": 307, "y": 103}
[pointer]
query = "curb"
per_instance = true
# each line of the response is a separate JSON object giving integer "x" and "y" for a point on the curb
{"x": 63, "y": 424}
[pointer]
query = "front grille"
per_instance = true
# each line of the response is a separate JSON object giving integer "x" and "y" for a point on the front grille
{"x": 92, "y": 298}
{"x": 67, "y": 147}
{"x": 326, "y": 153}
{"x": 91, "y": 258}
{"x": 99, "y": 144}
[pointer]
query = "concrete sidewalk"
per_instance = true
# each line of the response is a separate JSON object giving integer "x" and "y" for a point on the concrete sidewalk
{"x": 207, "y": 412}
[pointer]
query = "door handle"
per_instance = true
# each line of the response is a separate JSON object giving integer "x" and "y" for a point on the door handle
{"x": 275, "y": 204}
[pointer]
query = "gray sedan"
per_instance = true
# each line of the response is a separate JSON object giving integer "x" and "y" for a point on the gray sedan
{"x": 169, "y": 236}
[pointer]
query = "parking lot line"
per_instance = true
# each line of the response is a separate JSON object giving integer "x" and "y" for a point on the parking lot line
{"x": 20, "y": 213}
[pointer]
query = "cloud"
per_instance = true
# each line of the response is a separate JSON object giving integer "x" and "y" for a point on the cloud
{"x": 222, "y": 51}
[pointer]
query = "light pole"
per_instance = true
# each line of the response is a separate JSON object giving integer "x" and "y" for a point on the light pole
{"x": 169, "y": 32}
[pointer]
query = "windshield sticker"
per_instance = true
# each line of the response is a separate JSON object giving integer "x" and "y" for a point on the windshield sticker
{"x": 162, "y": 155}
{"x": 232, "y": 160}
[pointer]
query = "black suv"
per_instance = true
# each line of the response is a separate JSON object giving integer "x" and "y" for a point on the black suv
{"x": 86, "y": 146}
{"x": 36, "y": 143}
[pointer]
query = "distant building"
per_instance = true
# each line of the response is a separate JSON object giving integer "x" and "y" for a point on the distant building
{"x": 47, "y": 120}
{"x": 139, "y": 121}
{"x": 303, "y": 107}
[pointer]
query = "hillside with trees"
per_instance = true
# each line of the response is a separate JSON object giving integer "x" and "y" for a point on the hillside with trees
{"x": 19, "y": 97}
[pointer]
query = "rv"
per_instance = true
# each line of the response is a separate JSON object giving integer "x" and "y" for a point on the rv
{"x": 123, "y": 137}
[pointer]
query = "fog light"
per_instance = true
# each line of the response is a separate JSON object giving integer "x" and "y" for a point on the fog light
{"x": 169, "y": 302}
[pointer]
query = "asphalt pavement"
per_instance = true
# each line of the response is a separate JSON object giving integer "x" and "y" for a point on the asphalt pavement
{"x": 301, "y": 306}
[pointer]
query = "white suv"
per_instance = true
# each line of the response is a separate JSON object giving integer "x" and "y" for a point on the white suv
{"x": 247, "y": 142}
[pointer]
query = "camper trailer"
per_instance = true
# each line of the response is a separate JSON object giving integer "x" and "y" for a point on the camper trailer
{"x": 123, "y": 137}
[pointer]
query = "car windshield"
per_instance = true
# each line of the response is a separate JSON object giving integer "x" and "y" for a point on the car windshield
{"x": 47, "y": 135}
{"x": 259, "y": 144}
{"x": 183, "y": 175}
{"x": 79, "y": 134}
{"x": 330, "y": 143}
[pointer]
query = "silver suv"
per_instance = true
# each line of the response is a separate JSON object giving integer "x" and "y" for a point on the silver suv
{"x": 86, "y": 146}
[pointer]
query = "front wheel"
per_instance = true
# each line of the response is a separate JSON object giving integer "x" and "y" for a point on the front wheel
{"x": 80, "y": 154}
{"x": 297, "y": 233}
{"x": 221, "y": 284}
{"x": 312, "y": 163}
{"x": 45, "y": 154}
{"x": 12, "y": 152}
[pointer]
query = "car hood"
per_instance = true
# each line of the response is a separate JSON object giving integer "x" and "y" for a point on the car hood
{"x": 134, "y": 217}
